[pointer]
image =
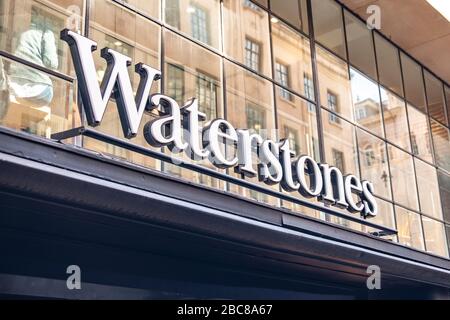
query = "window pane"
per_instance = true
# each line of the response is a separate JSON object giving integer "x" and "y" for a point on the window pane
{"x": 293, "y": 11}
{"x": 334, "y": 83}
{"x": 107, "y": 21}
{"x": 373, "y": 161}
{"x": 199, "y": 19}
{"x": 403, "y": 179}
{"x": 409, "y": 228}
{"x": 385, "y": 217}
{"x": 40, "y": 109}
{"x": 297, "y": 122}
{"x": 250, "y": 105}
{"x": 420, "y": 134}
{"x": 395, "y": 119}
{"x": 388, "y": 65}
{"x": 247, "y": 37}
{"x": 340, "y": 144}
{"x": 435, "y": 98}
{"x": 152, "y": 8}
{"x": 328, "y": 25}
{"x": 292, "y": 51}
{"x": 192, "y": 71}
{"x": 414, "y": 87}
{"x": 360, "y": 45}
{"x": 427, "y": 182}
{"x": 441, "y": 142}
{"x": 366, "y": 103}
{"x": 435, "y": 239}
{"x": 444, "y": 190}
{"x": 30, "y": 30}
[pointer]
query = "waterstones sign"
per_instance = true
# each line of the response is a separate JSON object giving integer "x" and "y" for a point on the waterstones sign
{"x": 186, "y": 129}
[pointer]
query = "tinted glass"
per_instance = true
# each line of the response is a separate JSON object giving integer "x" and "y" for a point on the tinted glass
{"x": 388, "y": 60}
{"x": 395, "y": 119}
{"x": 414, "y": 86}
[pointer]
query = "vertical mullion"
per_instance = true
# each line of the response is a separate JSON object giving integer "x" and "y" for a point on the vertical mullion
{"x": 312, "y": 43}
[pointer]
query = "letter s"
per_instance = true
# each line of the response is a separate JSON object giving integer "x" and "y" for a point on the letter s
{"x": 370, "y": 204}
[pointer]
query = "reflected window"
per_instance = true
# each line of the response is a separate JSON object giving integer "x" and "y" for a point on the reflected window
{"x": 441, "y": 142}
{"x": 207, "y": 95}
{"x": 435, "y": 239}
{"x": 403, "y": 178}
{"x": 251, "y": 5}
{"x": 418, "y": 124}
{"x": 199, "y": 23}
{"x": 366, "y": 102}
{"x": 172, "y": 13}
{"x": 360, "y": 45}
{"x": 175, "y": 83}
{"x": 413, "y": 79}
{"x": 328, "y": 25}
{"x": 309, "y": 91}
{"x": 427, "y": 182}
{"x": 332, "y": 104}
{"x": 435, "y": 97}
{"x": 256, "y": 117}
{"x": 338, "y": 159}
{"x": 282, "y": 76}
{"x": 395, "y": 119}
{"x": 291, "y": 135}
{"x": 409, "y": 228}
{"x": 388, "y": 61}
{"x": 252, "y": 54}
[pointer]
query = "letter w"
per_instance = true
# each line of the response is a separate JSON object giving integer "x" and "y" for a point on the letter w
{"x": 115, "y": 81}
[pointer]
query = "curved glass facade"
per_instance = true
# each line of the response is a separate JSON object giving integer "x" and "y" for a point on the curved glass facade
{"x": 338, "y": 91}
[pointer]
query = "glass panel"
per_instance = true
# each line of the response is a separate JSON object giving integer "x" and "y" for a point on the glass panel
{"x": 328, "y": 25}
{"x": 247, "y": 37}
{"x": 448, "y": 236}
{"x": 192, "y": 71}
{"x": 373, "y": 161}
{"x": 435, "y": 97}
{"x": 366, "y": 103}
{"x": 340, "y": 143}
{"x": 388, "y": 65}
{"x": 385, "y": 217}
{"x": 435, "y": 239}
{"x": 297, "y": 122}
{"x": 414, "y": 86}
{"x": 403, "y": 178}
{"x": 335, "y": 87}
{"x": 37, "y": 108}
{"x": 444, "y": 190}
{"x": 361, "y": 52}
{"x": 395, "y": 119}
{"x": 107, "y": 21}
{"x": 292, "y": 60}
{"x": 200, "y": 19}
{"x": 293, "y": 11}
{"x": 409, "y": 228}
{"x": 420, "y": 134}
{"x": 427, "y": 182}
{"x": 441, "y": 142}
{"x": 30, "y": 30}
{"x": 250, "y": 105}
{"x": 151, "y": 8}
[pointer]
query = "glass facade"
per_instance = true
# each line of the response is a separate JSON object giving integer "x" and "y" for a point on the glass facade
{"x": 371, "y": 110}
